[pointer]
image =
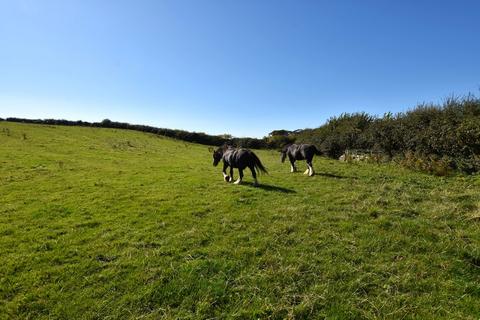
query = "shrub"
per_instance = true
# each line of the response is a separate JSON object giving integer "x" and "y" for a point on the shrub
{"x": 432, "y": 138}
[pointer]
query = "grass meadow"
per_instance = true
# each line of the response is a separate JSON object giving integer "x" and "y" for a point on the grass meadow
{"x": 116, "y": 224}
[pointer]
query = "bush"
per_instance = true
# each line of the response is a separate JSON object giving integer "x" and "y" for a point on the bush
{"x": 432, "y": 138}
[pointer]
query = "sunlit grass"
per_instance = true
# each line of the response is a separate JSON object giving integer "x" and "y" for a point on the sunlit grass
{"x": 103, "y": 223}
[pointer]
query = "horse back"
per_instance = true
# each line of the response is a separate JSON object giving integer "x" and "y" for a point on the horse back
{"x": 302, "y": 151}
{"x": 296, "y": 152}
{"x": 237, "y": 158}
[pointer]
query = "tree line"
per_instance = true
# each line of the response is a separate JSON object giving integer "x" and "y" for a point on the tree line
{"x": 431, "y": 137}
{"x": 195, "y": 137}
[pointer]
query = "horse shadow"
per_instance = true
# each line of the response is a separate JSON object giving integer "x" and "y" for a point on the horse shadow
{"x": 268, "y": 187}
{"x": 335, "y": 176}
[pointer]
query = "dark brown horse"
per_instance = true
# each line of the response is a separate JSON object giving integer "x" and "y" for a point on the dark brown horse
{"x": 240, "y": 159}
{"x": 300, "y": 152}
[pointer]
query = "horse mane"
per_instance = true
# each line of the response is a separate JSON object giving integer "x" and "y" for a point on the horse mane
{"x": 285, "y": 147}
{"x": 224, "y": 148}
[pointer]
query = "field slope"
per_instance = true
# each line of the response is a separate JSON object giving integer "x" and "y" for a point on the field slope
{"x": 104, "y": 223}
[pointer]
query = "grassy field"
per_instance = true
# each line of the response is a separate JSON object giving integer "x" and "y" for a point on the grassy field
{"x": 107, "y": 224}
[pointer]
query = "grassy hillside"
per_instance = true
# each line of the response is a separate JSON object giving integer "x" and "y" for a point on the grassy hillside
{"x": 104, "y": 223}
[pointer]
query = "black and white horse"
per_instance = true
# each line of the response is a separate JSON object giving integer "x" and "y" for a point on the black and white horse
{"x": 240, "y": 159}
{"x": 300, "y": 152}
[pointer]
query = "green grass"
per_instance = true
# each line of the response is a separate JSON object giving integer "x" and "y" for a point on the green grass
{"x": 103, "y": 223}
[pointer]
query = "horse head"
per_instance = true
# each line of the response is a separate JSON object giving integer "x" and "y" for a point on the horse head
{"x": 284, "y": 152}
{"x": 217, "y": 156}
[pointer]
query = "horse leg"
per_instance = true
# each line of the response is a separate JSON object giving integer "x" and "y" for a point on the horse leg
{"x": 240, "y": 174}
{"x": 231, "y": 173}
{"x": 311, "y": 172}
{"x": 308, "y": 169}
{"x": 254, "y": 175}
{"x": 224, "y": 171}
{"x": 292, "y": 166}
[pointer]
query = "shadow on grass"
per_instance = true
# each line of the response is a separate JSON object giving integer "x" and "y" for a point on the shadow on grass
{"x": 328, "y": 175}
{"x": 268, "y": 187}
{"x": 335, "y": 176}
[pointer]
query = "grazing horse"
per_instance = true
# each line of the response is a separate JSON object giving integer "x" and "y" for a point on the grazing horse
{"x": 240, "y": 159}
{"x": 300, "y": 152}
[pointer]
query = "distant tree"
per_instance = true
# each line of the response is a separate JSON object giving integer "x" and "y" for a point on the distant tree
{"x": 279, "y": 133}
{"x": 106, "y": 123}
{"x": 226, "y": 136}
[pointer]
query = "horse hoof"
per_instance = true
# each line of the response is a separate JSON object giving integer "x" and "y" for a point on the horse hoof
{"x": 238, "y": 182}
{"x": 227, "y": 178}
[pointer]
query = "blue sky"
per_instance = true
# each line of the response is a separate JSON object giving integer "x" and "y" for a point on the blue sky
{"x": 227, "y": 66}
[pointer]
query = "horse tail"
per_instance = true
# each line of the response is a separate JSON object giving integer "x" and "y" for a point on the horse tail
{"x": 258, "y": 164}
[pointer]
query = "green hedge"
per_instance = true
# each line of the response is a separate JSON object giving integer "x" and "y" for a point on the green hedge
{"x": 450, "y": 132}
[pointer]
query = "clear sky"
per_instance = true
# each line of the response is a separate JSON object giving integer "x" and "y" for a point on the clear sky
{"x": 228, "y": 66}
